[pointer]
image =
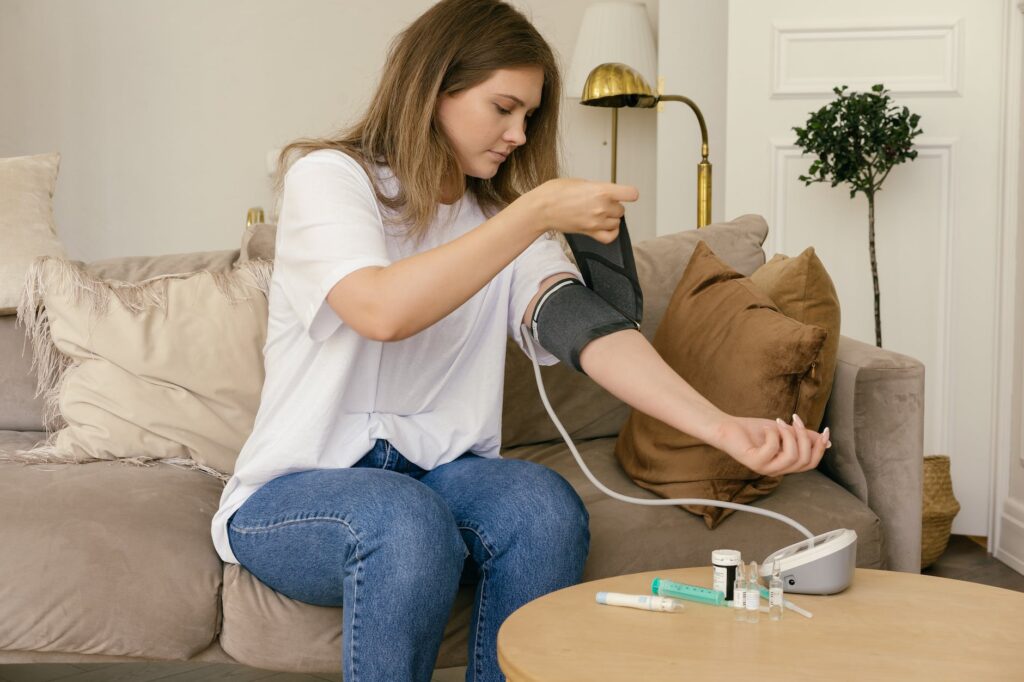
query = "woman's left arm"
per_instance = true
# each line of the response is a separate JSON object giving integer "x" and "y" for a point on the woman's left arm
{"x": 628, "y": 367}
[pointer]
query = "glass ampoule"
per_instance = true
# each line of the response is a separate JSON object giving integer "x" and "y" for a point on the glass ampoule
{"x": 753, "y": 595}
{"x": 739, "y": 590}
{"x": 775, "y": 594}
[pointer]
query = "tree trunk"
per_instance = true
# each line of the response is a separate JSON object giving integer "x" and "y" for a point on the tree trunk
{"x": 874, "y": 269}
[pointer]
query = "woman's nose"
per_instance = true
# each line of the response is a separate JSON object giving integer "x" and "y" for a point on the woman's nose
{"x": 516, "y": 135}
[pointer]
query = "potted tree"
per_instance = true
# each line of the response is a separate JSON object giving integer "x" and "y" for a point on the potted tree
{"x": 858, "y": 138}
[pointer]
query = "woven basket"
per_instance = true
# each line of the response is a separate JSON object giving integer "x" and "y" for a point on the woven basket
{"x": 939, "y": 507}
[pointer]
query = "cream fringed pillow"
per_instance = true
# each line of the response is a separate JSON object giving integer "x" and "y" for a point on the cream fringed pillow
{"x": 27, "y": 229}
{"x": 170, "y": 368}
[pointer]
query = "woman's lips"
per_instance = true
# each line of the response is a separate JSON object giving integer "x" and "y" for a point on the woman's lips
{"x": 498, "y": 155}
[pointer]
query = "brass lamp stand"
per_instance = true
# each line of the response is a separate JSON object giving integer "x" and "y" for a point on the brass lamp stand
{"x": 618, "y": 85}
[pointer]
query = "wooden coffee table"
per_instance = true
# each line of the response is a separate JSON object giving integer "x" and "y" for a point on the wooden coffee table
{"x": 885, "y": 626}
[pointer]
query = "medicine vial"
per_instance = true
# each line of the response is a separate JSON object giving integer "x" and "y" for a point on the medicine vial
{"x": 753, "y": 595}
{"x": 775, "y": 592}
{"x": 724, "y": 562}
{"x": 739, "y": 591}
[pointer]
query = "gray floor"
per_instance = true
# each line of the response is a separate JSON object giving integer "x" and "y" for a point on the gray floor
{"x": 964, "y": 559}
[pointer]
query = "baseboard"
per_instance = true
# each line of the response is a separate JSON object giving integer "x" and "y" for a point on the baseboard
{"x": 1011, "y": 536}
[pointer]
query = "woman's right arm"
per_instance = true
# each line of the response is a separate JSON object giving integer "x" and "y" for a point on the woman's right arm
{"x": 395, "y": 302}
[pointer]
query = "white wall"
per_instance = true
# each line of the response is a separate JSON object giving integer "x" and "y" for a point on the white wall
{"x": 164, "y": 112}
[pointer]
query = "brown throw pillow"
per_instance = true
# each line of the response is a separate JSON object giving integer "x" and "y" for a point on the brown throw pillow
{"x": 730, "y": 342}
{"x": 803, "y": 291}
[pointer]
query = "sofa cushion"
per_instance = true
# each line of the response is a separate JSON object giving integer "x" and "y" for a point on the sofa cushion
{"x": 265, "y": 629}
{"x": 586, "y": 409}
{"x": 106, "y": 558}
{"x": 138, "y": 268}
{"x": 258, "y": 241}
{"x": 178, "y": 357}
{"x": 628, "y": 538}
{"x": 803, "y": 290}
{"x": 728, "y": 340}
{"x": 20, "y": 410}
{"x": 27, "y": 228}
{"x": 19, "y": 440}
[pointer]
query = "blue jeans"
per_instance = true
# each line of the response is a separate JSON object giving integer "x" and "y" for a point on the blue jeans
{"x": 393, "y": 542}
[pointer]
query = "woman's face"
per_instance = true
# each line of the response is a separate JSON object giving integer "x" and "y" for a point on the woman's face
{"x": 485, "y": 123}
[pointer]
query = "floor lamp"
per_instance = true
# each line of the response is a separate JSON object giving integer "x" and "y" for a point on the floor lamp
{"x": 618, "y": 85}
{"x": 615, "y": 31}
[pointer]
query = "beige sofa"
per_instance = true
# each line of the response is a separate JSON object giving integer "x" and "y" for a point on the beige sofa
{"x": 111, "y": 562}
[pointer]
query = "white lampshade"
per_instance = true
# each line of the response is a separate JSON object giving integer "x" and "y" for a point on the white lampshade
{"x": 612, "y": 32}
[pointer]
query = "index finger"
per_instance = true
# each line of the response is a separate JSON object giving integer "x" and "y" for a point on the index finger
{"x": 768, "y": 450}
{"x": 622, "y": 192}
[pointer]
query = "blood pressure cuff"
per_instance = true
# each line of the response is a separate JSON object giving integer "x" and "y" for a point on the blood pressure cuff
{"x": 569, "y": 315}
{"x": 609, "y": 269}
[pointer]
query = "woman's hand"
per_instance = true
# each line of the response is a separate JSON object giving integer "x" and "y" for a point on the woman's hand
{"x": 582, "y": 206}
{"x": 772, "y": 448}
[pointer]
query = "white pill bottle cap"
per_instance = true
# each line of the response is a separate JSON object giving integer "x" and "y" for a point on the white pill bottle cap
{"x": 725, "y": 557}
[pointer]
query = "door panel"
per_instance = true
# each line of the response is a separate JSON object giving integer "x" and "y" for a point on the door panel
{"x": 936, "y": 218}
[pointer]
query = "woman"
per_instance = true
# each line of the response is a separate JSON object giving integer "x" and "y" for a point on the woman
{"x": 408, "y": 249}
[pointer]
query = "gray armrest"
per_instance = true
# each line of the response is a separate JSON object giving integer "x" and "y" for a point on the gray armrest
{"x": 876, "y": 416}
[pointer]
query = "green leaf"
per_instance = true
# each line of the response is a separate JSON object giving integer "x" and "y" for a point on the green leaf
{"x": 857, "y": 138}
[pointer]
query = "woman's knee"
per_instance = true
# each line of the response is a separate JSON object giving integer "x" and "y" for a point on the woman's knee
{"x": 420, "y": 534}
{"x": 405, "y": 520}
{"x": 546, "y": 505}
{"x": 358, "y": 515}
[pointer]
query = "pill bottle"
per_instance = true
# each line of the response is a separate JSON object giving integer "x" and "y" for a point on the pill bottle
{"x": 724, "y": 562}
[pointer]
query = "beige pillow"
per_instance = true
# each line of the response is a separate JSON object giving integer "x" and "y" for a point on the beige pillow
{"x": 803, "y": 290}
{"x": 258, "y": 242}
{"x": 170, "y": 368}
{"x": 27, "y": 229}
{"x": 732, "y": 345}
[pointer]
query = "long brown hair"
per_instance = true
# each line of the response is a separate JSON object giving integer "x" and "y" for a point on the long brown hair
{"x": 453, "y": 46}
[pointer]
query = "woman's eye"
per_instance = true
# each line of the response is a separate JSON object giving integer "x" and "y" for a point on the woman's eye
{"x": 504, "y": 112}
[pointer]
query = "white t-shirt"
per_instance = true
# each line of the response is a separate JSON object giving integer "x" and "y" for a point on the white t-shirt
{"x": 330, "y": 393}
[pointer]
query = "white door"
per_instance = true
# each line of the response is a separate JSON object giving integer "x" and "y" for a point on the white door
{"x": 936, "y": 218}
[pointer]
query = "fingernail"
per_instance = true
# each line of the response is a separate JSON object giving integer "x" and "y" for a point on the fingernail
{"x": 780, "y": 422}
{"x": 828, "y": 445}
{"x": 797, "y": 420}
